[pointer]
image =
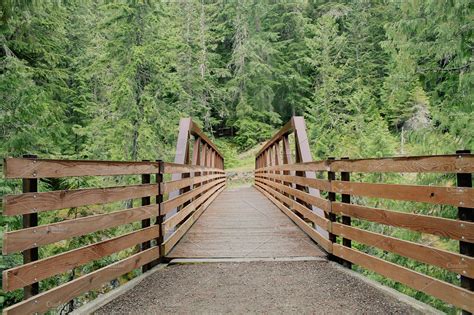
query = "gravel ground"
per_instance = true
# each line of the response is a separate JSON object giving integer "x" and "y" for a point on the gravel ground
{"x": 259, "y": 287}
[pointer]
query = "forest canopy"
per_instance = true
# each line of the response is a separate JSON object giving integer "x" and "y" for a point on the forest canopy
{"x": 110, "y": 79}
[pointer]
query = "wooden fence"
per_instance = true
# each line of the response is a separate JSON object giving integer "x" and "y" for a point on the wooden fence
{"x": 196, "y": 186}
{"x": 287, "y": 187}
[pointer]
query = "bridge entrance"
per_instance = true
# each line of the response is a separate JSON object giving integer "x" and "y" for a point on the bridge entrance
{"x": 297, "y": 208}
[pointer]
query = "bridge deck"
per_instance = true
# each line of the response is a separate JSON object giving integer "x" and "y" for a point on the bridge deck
{"x": 242, "y": 223}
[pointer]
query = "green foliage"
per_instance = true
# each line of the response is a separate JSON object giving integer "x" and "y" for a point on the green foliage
{"x": 110, "y": 80}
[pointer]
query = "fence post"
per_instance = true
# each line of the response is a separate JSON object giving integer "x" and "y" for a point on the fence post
{"x": 332, "y": 216}
{"x": 146, "y": 179}
{"x": 465, "y": 214}
{"x": 345, "y": 198}
{"x": 30, "y": 185}
{"x": 160, "y": 217}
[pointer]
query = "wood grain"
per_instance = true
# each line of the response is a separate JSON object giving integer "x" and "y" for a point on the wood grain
{"x": 171, "y": 204}
{"x": 176, "y": 168}
{"x": 183, "y": 213}
{"x": 168, "y": 187}
{"x": 241, "y": 222}
{"x": 66, "y": 292}
{"x": 315, "y": 166}
{"x": 62, "y": 199}
{"x": 455, "y": 196}
{"x": 312, "y": 233}
{"x": 178, "y": 234}
{"x": 316, "y": 201}
{"x": 413, "y": 164}
{"x": 445, "y": 291}
{"x": 454, "y": 262}
{"x": 455, "y": 229}
{"x": 23, "y": 275}
{"x": 321, "y": 184}
{"x": 46, "y": 234}
{"x": 43, "y": 168}
{"x": 303, "y": 210}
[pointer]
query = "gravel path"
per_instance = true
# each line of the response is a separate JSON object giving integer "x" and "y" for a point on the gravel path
{"x": 259, "y": 287}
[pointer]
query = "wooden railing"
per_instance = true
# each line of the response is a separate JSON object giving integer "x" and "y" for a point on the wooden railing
{"x": 146, "y": 239}
{"x": 287, "y": 187}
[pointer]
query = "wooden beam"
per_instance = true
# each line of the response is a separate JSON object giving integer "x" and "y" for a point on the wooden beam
{"x": 67, "y": 291}
{"x": 445, "y": 291}
{"x": 460, "y": 196}
{"x": 50, "y": 233}
{"x": 45, "y": 168}
{"x": 449, "y": 228}
{"x": 36, "y": 202}
{"x": 32, "y": 272}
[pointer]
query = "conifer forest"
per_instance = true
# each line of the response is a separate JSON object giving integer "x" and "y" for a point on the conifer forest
{"x": 109, "y": 80}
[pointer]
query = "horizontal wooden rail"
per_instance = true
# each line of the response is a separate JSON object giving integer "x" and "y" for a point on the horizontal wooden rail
{"x": 174, "y": 168}
{"x": 22, "y": 275}
{"x": 50, "y": 233}
{"x": 170, "y": 204}
{"x": 454, "y": 262}
{"x": 306, "y": 197}
{"x": 288, "y": 186}
{"x": 445, "y": 291}
{"x": 321, "y": 184}
{"x": 42, "y": 168}
{"x": 443, "y": 227}
{"x": 455, "y": 163}
{"x": 184, "y": 212}
{"x": 184, "y": 227}
{"x": 65, "y": 292}
{"x": 203, "y": 186}
{"x": 455, "y": 196}
{"x": 62, "y": 199}
{"x": 168, "y": 187}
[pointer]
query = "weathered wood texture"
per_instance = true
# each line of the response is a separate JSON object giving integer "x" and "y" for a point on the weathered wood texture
{"x": 62, "y": 199}
{"x": 193, "y": 189}
{"x": 243, "y": 223}
{"x": 276, "y": 183}
{"x": 65, "y": 292}
{"x": 41, "y": 168}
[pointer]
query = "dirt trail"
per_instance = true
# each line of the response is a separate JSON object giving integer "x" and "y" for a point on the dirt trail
{"x": 257, "y": 287}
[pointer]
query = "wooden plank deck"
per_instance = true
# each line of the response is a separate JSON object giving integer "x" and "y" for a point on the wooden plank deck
{"x": 243, "y": 223}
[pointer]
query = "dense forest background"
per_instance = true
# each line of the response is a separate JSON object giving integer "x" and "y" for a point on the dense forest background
{"x": 110, "y": 80}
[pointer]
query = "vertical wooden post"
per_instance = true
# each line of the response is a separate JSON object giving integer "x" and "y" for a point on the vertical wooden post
{"x": 332, "y": 216}
{"x": 146, "y": 179}
{"x": 181, "y": 157}
{"x": 303, "y": 154}
{"x": 465, "y": 214}
{"x": 30, "y": 220}
{"x": 277, "y": 160}
{"x": 196, "y": 160}
{"x": 160, "y": 218}
{"x": 345, "y": 198}
{"x": 286, "y": 159}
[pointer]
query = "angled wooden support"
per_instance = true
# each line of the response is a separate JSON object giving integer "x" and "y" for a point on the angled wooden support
{"x": 204, "y": 153}
{"x": 264, "y": 158}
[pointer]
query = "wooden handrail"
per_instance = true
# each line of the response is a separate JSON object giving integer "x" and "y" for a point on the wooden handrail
{"x": 194, "y": 187}
{"x": 291, "y": 193}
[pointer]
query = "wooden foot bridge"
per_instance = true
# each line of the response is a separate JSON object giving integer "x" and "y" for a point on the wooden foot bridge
{"x": 297, "y": 209}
